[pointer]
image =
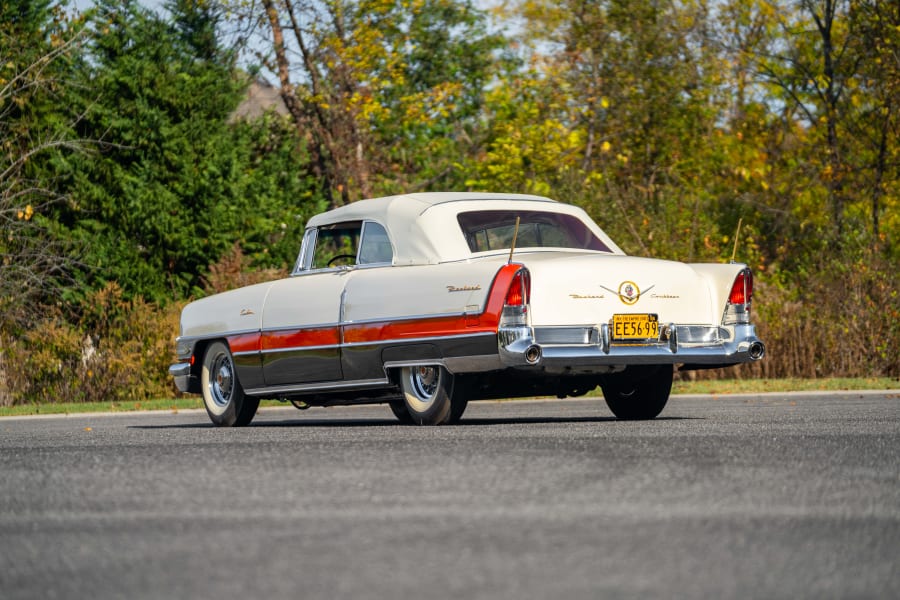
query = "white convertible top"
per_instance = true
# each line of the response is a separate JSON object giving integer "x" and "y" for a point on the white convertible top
{"x": 423, "y": 227}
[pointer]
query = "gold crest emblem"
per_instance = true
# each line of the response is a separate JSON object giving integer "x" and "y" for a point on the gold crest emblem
{"x": 629, "y": 293}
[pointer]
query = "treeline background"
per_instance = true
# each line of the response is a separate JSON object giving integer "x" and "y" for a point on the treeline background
{"x": 135, "y": 174}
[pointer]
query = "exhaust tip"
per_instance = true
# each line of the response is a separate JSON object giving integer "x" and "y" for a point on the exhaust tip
{"x": 757, "y": 350}
{"x": 532, "y": 354}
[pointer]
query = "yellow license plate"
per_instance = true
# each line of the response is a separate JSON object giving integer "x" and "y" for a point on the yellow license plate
{"x": 635, "y": 327}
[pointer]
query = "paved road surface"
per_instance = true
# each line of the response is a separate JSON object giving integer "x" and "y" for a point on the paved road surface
{"x": 780, "y": 496}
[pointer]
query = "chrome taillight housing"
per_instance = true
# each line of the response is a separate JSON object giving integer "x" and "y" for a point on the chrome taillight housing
{"x": 737, "y": 310}
{"x": 515, "y": 308}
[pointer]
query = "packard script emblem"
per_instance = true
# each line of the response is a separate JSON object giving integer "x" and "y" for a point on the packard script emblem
{"x": 463, "y": 288}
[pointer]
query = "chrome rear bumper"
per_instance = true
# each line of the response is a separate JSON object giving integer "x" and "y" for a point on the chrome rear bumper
{"x": 585, "y": 349}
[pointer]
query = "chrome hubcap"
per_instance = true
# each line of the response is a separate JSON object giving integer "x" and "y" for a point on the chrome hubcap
{"x": 425, "y": 381}
{"x": 222, "y": 382}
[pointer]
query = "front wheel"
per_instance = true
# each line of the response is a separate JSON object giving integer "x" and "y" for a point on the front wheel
{"x": 226, "y": 403}
{"x": 639, "y": 392}
{"x": 428, "y": 394}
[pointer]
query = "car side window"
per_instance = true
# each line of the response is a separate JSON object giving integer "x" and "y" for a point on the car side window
{"x": 375, "y": 248}
{"x": 336, "y": 245}
{"x": 306, "y": 250}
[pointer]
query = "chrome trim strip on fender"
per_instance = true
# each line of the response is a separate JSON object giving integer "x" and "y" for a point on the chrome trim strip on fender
{"x": 361, "y": 322}
{"x": 341, "y": 314}
{"x": 246, "y": 353}
{"x": 462, "y": 364}
{"x": 213, "y": 336}
{"x": 329, "y": 386}
{"x": 299, "y": 327}
{"x": 409, "y": 318}
{"x": 342, "y": 323}
{"x": 295, "y": 349}
{"x": 383, "y": 342}
{"x": 399, "y": 364}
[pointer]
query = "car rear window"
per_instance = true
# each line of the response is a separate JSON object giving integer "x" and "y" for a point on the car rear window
{"x": 493, "y": 230}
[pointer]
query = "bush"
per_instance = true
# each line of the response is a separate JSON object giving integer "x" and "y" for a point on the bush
{"x": 840, "y": 319}
{"x": 119, "y": 350}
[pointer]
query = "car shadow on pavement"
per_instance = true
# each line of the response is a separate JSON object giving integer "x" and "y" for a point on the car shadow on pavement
{"x": 389, "y": 422}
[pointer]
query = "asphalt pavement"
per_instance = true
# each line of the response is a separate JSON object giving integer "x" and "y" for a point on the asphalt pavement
{"x": 769, "y": 496}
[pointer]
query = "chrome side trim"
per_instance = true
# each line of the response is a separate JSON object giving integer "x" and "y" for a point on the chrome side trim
{"x": 362, "y": 344}
{"x": 246, "y": 353}
{"x": 213, "y": 336}
{"x": 341, "y": 313}
{"x": 325, "y": 386}
{"x": 196, "y": 338}
{"x": 399, "y": 364}
{"x": 300, "y": 349}
{"x": 408, "y": 318}
{"x": 459, "y": 364}
{"x": 296, "y": 327}
{"x": 282, "y": 350}
{"x": 457, "y": 336}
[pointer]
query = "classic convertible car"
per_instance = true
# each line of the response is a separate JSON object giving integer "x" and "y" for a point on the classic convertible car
{"x": 427, "y": 301}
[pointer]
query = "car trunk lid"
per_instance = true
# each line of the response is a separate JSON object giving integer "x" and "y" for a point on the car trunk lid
{"x": 588, "y": 289}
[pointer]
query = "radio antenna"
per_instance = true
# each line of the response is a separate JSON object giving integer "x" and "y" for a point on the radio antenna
{"x": 512, "y": 247}
{"x": 737, "y": 235}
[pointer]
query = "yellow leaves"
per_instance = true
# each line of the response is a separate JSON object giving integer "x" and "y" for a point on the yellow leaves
{"x": 26, "y": 214}
{"x": 438, "y": 102}
{"x": 605, "y": 147}
{"x": 592, "y": 178}
{"x": 575, "y": 138}
{"x": 531, "y": 145}
{"x": 366, "y": 107}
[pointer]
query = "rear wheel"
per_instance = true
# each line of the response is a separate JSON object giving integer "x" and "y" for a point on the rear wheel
{"x": 226, "y": 403}
{"x": 428, "y": 394}
{"x": 639, "y": 392}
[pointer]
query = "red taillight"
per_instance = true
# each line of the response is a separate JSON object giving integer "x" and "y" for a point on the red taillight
{"x": 742, "y": 290}
{"x": 519, "y": 290}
